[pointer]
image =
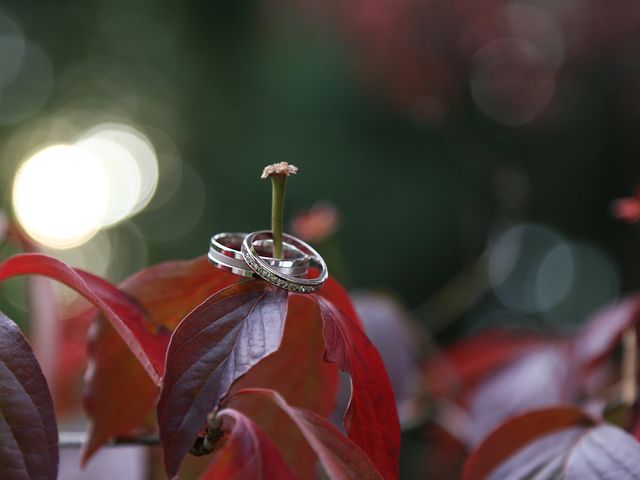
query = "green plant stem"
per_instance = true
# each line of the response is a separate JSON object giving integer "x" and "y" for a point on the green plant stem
{"x": 629, "y": 372}
{"x": 279, "y": 185}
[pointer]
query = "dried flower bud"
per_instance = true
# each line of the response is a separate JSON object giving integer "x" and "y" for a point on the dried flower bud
{"x": 281, "y": 169}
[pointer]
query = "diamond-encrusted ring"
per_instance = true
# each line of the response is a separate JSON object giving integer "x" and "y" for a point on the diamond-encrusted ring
{"x": 277, "y": 278}
{"x": 224, "y": 253}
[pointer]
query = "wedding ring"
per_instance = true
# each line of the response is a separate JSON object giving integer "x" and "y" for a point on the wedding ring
{"x": 267, "y": 272}
{"x": 224, "y": 253}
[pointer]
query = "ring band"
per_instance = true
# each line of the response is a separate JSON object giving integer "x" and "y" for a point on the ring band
{"x": 224, "y": 253}
{"x": 270, "y": 274}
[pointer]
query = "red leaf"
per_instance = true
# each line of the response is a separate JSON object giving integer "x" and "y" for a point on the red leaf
{"x": 214, "y": 345}
{"x": 168, "y": 291}
{"x": 124, "y": 314}
{"x": 247, "y": 454}
{"x": 119, "y": 396}
{"x": 298, "y": 372}
{"x": 28, "y": 432}
{"x": 340, "y": 457}
{"x": 71, "y": 360}
{"x": 372, "y": 417}
{"x": 561, "y": 442}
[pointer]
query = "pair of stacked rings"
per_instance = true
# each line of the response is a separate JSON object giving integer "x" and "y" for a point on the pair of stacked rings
{"x": 250, "y": 256}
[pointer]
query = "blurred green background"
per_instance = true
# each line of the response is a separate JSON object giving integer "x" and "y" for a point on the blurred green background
{"x": 432, "y": 126}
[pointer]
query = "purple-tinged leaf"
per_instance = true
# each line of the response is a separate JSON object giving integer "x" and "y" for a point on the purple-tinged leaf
{"x": 540, "y": 378}
{"x": 395, "y": 334}
{"x": 298, "y": 372}
{"x": 560, "y": 442}
{"x": 517, "y": 433}
{"x": 604, "y": 452}
{"x": 603, "y": 331}
{"x": 28, "y": 431}
{"x": 214, "y": 345}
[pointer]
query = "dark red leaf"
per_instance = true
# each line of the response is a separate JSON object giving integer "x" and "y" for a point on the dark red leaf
{"x": 338, "y": 296}
{"x": 214, "y": 345}
{"x": 298, "y": 372}
{"x": 341, "y": 458}
{"x": 560, "y": 442}
{"x": 118, "y": 395}
{"x": 603, "y": 331}
{"x": 247, "y": 454}
{"x": 125, "y": 315}
{"x": 28, "y": 432}
{"x": 463, "y": 365}
{"x": 372, "y": 417}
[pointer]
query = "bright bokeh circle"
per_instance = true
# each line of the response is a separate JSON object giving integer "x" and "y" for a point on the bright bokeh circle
{"x": 64, "y": 194}
{"x": 61, "y": 195}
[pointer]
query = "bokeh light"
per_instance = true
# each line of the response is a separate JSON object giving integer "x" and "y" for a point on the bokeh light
{"x": 514, "y": 262}
{"x": 534, "y": 271}
{"x": 60, "y": 196}
{"x": 64, "y": 194}
{"x": 513, "y": 81}
{"x": 12, "y": 48}
{"x": 554, "y": 277}
{"x": 130, "y": 160}
{"x": 29, "y": 89}
{"x": 593, "y": 283}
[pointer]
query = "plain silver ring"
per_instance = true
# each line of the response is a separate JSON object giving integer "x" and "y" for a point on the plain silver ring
{"x": 224, "y": 253}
